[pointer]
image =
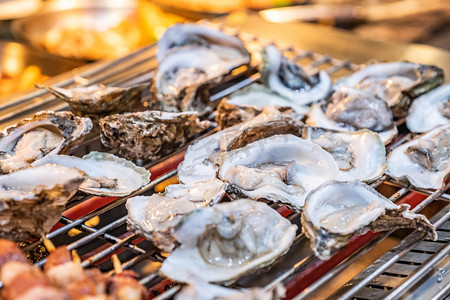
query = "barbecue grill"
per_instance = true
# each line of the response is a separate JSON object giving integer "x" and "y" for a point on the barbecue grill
{"x": 96, "y": 227}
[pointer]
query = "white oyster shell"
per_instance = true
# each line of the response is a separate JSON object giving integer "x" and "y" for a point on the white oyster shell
{"x": 281, "y": 168}
{"x": 198, "y": 289}
{"x": 32, "y": 199}
{"x": 46, "y": 133}
{"x": 109, "y": 175}
{"x": 335, "y": 211}
{"x": 157, "y": 215}
{"x": 309, "y": 93}
{"x": 426, "y": 112}
{"x": 400, "y": 165}
{"x": 360, "y": 155}
{"x": 222, "y": 242}
{"x": 318, "y": 118}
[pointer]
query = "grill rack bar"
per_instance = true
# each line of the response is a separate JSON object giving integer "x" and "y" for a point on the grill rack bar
{"x": 103, "y": 75}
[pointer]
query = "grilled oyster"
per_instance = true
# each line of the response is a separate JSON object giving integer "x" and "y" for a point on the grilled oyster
{"x": 289, "y": 80}
{"x": 424, "y": 161}
{"x": 360, "y": 155}
{"x": 281, "y": 168}
{"x": 336, "y": 211}
{"x": 156, "y": 216}
{"x": 32, "y": 199}
{"x": 249, "y": 102}
{"x": 430, "y": 110}
{"x": 190, "y": 56}
{"x": 149, "y": 134}
{"x": 350, "y": 110}
{"x": 45, "y": 133}
{"x": 199, "y": 160}
{"x": 222, "y": 242}
{"x": 396, "y": 83}
{"x": 99, "y": 100}
{"x": 198, "y": 289}
{"x": 108, "y": 175}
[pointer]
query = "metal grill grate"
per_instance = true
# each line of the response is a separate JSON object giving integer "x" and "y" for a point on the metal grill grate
{"x": 303, "y": 274}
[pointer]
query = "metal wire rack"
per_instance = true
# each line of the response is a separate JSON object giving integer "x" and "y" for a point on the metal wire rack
{"x": 96, "y": 227}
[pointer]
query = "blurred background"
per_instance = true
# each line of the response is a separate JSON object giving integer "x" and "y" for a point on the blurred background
{"x": 40, "y": 39}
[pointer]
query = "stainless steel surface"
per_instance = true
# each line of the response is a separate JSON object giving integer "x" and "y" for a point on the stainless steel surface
{"x": 95, "y": 243}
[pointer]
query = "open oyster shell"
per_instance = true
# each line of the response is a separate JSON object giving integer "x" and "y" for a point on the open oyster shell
{"x": 289, "y": 80}
{"x": 198, "y": 289}
{"x": 149, "y": 135}
{"x": 360, "y": 155}
{"x": 190, "y": 56}
{"x": 32, "y": 199}
{"x": 336, "y": 211}
{"x": 99, "y": 100}
{"x": 46, "y": 133}
{"x": 249, "y": 102}
{"x": 430, "y": 110}
{"x": 280, "y": 168}
{"x": 351, "y": 110}
{"x": 396, "y": 83}
{"x": 222, "y": 242}
{"x": 108, "y": 175}
{"x": 156, "y": 216}
{"x": 424, "y": 161}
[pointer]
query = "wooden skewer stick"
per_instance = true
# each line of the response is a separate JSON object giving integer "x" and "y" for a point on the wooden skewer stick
{"x": 75, "y": 257}
{"x": 117, "y": 264}
{"x": 48, "y": 244}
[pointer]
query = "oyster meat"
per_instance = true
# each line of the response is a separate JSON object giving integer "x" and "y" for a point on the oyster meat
{"x": 249, "y": 102}
{"x": 430, "y": 110}
{"x": 190, "y": 56}
{"x": 99, "y": 100}
{"x": 396, "y": 83}
{"x": 149, "y": 135}
{"x": 222, "y": 242}
{"x": 155, "y": 217}
{"x": 198, "y": 289}
{"x": 280, "y": 168}
{"x": 424, "y": 161}
{"x": 351, "y": 110}
{"x": 32, "y": 199}
{"x": 46, "y": 133}
{"x": 360, "y": 155}
{"x": 336, "y": 211}
{"x": 289, "y": 80}
{"x": 108, "y": 175}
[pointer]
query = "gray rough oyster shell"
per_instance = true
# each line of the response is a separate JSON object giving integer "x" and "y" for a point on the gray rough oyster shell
{"x": 45, "y": 133}
{"x": 32, "y": 199}
{"x": 99, "y": 100}
{"x": 335, "y": 211}
{"x": 149, "y": 135}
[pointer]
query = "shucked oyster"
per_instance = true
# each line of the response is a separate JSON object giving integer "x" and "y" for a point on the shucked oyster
{"x": 99, "y": 100}
{"x": 281, "y": 168}
{"x": 108, "y": 175}
{"x": 360, "y": 155}
{"x": 32, "y": 199}
{"x": 430, "y": 110}
{"x": 336, "y": 211}
{"x": 222, "y": 242}
{"x": 424, "y": 161}
{"x": 190, "y": 56}
{"x": 155, "y": 217}
{"x": 350, "y": 110}
{"x": 290, "y": 81}
{"x": 149, "y": 135}
{"x": 249, "y": 102}
{"x": 396, "y": 83}
{"x": 45, "y": 133}
{"x": 198, "y": 289}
